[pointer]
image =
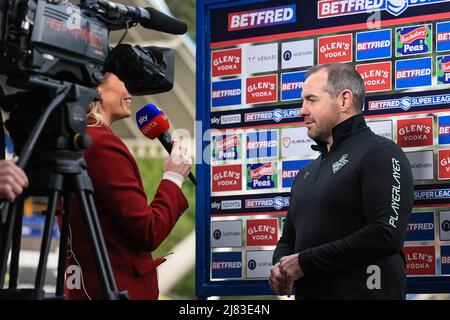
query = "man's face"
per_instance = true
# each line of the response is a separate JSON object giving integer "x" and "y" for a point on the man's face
{"x": 320, "y": 109}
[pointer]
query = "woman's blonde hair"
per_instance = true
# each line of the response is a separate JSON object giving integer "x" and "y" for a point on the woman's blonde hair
{"x": 94, "y": 109}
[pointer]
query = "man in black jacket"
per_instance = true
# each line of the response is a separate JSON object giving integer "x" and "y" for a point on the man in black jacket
{"x": 349, "y": 209}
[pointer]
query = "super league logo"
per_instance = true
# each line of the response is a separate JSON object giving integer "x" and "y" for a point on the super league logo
{"x": 396, "y": 7}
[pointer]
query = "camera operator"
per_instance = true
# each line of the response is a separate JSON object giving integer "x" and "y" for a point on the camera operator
{"x": 12, "y": 180}
{"x": 132, "y": 228}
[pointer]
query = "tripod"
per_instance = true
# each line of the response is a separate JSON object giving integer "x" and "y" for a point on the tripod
{"x": 60, "y": 173}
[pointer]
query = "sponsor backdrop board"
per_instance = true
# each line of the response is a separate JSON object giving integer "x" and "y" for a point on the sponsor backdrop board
{"x": 252, "y": 58}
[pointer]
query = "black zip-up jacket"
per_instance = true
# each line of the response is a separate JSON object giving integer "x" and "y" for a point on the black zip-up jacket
{"x": 347, "y": 218}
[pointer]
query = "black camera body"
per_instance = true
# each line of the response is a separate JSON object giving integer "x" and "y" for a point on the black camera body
{"x": 63, "y": 41}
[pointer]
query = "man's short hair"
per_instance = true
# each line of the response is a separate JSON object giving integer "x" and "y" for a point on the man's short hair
{"x": 341, "y": 77}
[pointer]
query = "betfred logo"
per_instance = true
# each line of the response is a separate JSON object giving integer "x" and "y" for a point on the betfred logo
{"x": 413, "y": 73}
{"x": 226, "y": 93}
{"x": 262, "y": 17}
{"x": 443, "y": 69}
{"x": 373, "y": 45}
{"x": 335, "y": 8}
{"x": 413, "y": 40}
{"x": 262, "y": 232}
{"x": 226, "y": 62}
{"x": 292, "y": 85}
{"x": 262, "y": 89}
{"x": 420, "y": 260}
{"x": 290, "y": 170}
{"x": 444, "y": 129}
{"x": 443, "y": 36}
{"x": 420, "y": 227}
{"x": 444, "y": 164}
{"x": 262, "y": 176}
{"x": 445, "y": 259}
{"x": 415, "y": 132}
{"x": 262, "y": 144}
{"x": 376, "y": 76}
{"x": 226, "y": 265}
{"x": 227, "y": 178}
{"x": 336, "y": 49}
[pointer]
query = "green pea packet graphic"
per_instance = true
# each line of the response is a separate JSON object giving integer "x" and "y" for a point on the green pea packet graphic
{"x": 227, "y": 147}
{"x": 413, "y": 40}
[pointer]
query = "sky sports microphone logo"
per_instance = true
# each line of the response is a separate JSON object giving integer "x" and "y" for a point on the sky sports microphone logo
{"x": 336, "y": 8}
{"x": 262, "y": 17}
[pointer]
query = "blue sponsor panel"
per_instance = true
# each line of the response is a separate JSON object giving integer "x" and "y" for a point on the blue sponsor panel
{"x": 443, "y": 69}
{"x": 276, "y": 203}
{"x": 262, "y": 176}
{"x": 413, "y": 73}
{"x": 262, "y": 144}
{"x": 445, "y": 259}
{"x": 226, "y": 93}
{"x": 433, "y": 100}
{"x": 412, "y": 40}
{"x": 420, "y": 227}
{"x": 444, "y": 129}
{"x": 277, "y": 115}
{"x": 226, "y": 147}
{"x": 290, "y": 170}
{"x": 292, "y": 85}
{"x": 226, "y": 265}
{"x": 373, "y": 45}
{"x": 443, "y": 36}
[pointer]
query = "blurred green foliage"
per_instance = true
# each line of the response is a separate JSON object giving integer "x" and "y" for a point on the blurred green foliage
{"x": 184, "y": 10}
{"x": 151, "y": 172}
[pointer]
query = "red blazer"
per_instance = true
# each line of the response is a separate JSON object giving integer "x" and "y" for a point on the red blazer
{"x": 131, "y": 227}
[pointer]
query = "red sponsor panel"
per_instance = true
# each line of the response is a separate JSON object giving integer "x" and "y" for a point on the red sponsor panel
{"x": 262, "y": 232}
{"x": 336, "y": 49}
{"x": 420, "y": 260}
{"x": 415, "y": 132}
{"x": 376, "y": 76}
{"x": 444, "y": 164}
{"x": 226, "y": 62}
{"x": 262, "y": 89}
{"x": 227, "y": 178}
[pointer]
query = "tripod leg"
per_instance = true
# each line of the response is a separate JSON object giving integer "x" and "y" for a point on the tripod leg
{"x": 6, "y": 241}
{"x": 45, "y": 246}
{"x": 63, "y": 241}
{"x": 101, "y": 241}
{"x": 107, "y": 286}
{"x": 15, "y": 249}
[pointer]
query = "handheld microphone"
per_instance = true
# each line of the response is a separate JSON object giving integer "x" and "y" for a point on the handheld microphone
{"x": 153, "y": 123}
{"x": 149, "y": 18}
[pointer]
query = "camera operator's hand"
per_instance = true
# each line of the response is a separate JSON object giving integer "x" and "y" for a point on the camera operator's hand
{"x": 179, "y": 161}
{"x": 12, "y": 180}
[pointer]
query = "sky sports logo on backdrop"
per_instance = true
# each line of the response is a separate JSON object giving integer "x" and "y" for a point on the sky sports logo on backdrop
{"x": 336, "y": 8}
{"x": 265, "y": 17}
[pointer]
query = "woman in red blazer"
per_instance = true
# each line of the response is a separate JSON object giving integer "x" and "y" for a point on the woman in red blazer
{"x": 131, "y": 227}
